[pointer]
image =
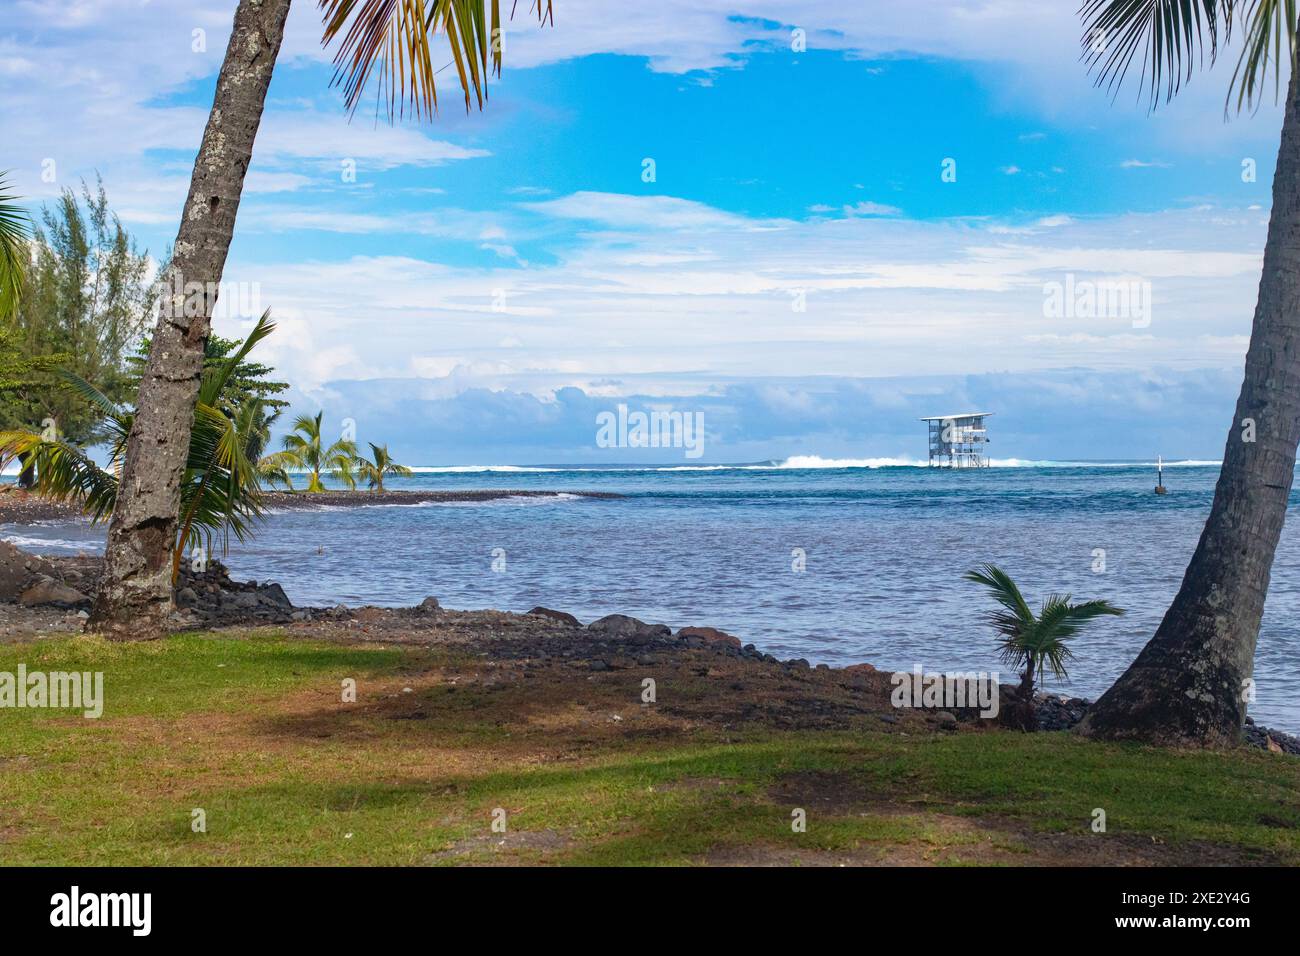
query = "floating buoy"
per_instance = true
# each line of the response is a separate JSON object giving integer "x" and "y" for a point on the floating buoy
{"x": 1160, "y": 476}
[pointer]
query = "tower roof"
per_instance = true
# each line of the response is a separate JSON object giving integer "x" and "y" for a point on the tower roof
{"x": 940, "y": 418}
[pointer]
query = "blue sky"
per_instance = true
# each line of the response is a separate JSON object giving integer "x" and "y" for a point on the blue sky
{"x": 798, "y": 270}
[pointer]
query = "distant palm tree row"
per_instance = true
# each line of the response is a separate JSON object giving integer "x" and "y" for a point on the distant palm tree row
{"x": 306, "y": 452}
{"x": 226, "y": 469}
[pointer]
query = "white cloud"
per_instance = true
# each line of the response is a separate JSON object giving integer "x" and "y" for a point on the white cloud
{"x": 867, "y": 208}
{"x": 698, "y": 290}
{"x": 261, "y": 181}
{"x": 646, "y": 212}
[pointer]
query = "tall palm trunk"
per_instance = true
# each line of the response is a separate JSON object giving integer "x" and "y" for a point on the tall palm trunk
{"x": 26, "y": 472}
{"x": 136, "y": 590}
{"x": 1188, "y": 686}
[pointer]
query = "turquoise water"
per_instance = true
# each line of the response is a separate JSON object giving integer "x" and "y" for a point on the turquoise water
{"x": 884, "y": 550}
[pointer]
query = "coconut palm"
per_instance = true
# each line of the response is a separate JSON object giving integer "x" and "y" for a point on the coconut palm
{"x": 304, "y": 449}
{"x": 219, "y": 489}
{"x": 389, "y": 41}
{"x": 14, "y": 232}
{"x": 276, "y": 471}
{"x": 1188, "y": 685}
{"x": 380, "y": 464}
{"x": 1034, "y": 643}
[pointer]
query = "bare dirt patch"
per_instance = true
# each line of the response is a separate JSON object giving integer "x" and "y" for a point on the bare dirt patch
{"x": 503, "y": 849}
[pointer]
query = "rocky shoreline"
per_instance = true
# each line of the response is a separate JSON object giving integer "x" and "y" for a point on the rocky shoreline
{"x": 54, "y": 594}
{"x": 22, "y": 507}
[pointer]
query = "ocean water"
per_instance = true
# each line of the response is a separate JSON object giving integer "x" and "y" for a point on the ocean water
{"x": 883, "y": 544}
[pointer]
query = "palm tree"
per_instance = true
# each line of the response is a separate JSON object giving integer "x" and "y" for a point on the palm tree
{"x": 304, "y": 449}
{"x": 393, "y": 35}
{"x": 14, "y": 232}
{"x": 276, "y": 471}
{"x": 1189, "y": 684}
{"x": 1034, "y": 643}
{"x": 381, "y": 464}
{"x": 219, "y": 490}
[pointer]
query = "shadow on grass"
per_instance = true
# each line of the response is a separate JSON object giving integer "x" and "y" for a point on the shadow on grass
{"x": 735, "y": 803}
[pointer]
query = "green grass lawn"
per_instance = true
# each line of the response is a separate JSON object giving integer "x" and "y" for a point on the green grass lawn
{"x": 252, "y": 730}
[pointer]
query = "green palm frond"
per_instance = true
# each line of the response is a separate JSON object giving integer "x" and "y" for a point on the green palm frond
{"x": 340, "y": 461}
{"x": 114, "y": 426}
{"x": 1027, "y": 639}
{"x": 380, "y": 464}
{"x": 220, "y": 489}
{"x": 1174, "y": 37}
{"x": 15, "y": 230}
{"x": 305, "y": 449}
{"x": 254, "y": 419}
{"x": 276, "y": 470}
{"x": 216, "y": 379}
{"x": 220, "y": 492}
{"x": 397, "y": 36}
{"x": 1266, "y": 24}
{"x": 90, "y": 393}
{"x": 64, "y": 472}
{"x": 1016, "y": 615}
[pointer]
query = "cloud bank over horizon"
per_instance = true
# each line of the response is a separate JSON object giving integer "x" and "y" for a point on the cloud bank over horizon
{"x": 799, "y": 266}
{"x": 1062, "y": 415}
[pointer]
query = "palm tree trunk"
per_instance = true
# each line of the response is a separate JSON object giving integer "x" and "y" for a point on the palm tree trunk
{"x": 26, "y": 472}
{"x": 1188, "y": 686}
{"x": 1026, "y": 689}
{"x": 135, "y": 594}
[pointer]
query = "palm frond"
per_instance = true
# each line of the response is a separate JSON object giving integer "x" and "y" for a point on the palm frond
{"x": 63, "y": 472}
{"x": 1017, "y": 614}
{"x": 380, "y": 464}
{"x": 115, "y": 422}
{"x": 15, "y": 229}
{"x": 1172, "y": 34}
{"x": 1040, "y": 639}
{"x": 1059, "y": 618}
{"x": 220, "y": 492}
{"x": 220, "y": 488}
{"x": 216, "y": 379}
{"x": 90, "y": 393}
{"x": 340, "y": 459}
{"x": 396, "y": 36}
{"x": 1175, "y": 36}
{"x": 1266, "y": 23}
{"x": 275, "y": 469}
{"x": 309, "y": 426}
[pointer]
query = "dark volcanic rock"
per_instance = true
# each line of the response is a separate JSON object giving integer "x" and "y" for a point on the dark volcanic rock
{"x": 20, "y": 570}
{"x": 708, "y": 635}
{"x": 272, "y": 594}
{"x": 46, "y": 590}
{"x": 562, "y": 616}
{"x": 1058, "y": 713}
{"x": 1273, "y": 740}
{"x": 620, "y": 627}
{"x": 213, "y": 598}
{"x": 946, "y": 720}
